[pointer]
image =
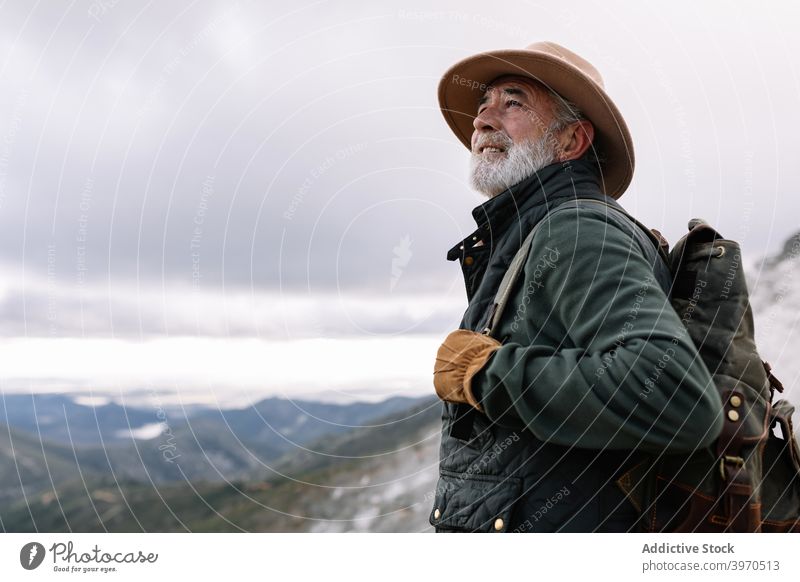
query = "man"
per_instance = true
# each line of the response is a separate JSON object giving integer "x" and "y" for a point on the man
{"x": 593, "y": 374}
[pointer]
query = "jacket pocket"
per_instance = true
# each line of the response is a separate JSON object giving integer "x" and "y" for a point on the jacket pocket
{"x": 474, "y": 503}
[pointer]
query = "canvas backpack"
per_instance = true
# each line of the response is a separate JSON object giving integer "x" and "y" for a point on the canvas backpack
{"x": 749, "y": 479}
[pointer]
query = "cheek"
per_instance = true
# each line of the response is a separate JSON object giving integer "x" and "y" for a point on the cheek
{"x": 513, "y": 128}
{"x": 522, "y": 129}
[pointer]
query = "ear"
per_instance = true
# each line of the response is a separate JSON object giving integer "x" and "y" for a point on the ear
{"x": 575, "y": 140}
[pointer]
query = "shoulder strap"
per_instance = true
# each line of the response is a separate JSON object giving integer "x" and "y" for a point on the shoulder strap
{"x": 513, "y": 272}
{"x": 656, "y": 240}
{"x": 518, "y": 262}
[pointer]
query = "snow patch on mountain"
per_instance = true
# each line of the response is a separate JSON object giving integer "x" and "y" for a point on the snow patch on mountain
{"x": 774, "y": 285}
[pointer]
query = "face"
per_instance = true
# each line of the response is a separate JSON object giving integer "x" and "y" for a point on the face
{"x": 514, "y": 106}
{"x": 513, "y": 137}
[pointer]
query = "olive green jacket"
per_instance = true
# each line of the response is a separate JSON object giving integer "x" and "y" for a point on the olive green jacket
{"x": 594, "y": 356}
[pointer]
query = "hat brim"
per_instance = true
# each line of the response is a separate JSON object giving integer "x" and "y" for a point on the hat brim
{"x": 463, "y": 85}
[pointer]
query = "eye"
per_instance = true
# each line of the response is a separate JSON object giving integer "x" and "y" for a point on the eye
{"x": 513, "y": 103}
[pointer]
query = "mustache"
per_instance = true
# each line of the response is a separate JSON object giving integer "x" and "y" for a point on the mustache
{"x": 495, "y": 138}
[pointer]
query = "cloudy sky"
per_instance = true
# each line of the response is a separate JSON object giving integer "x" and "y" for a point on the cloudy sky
{"x": 235, "y": 199}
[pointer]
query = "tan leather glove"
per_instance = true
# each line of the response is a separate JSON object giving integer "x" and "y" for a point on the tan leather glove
{"x": 460, "y": 357}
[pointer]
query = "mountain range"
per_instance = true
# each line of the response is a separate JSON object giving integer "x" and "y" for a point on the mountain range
{"x": 279, "y": 465}
{"x": 374, "y": 477}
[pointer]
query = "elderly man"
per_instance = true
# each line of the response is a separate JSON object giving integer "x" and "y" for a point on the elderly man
{"x": 590, "y": 372}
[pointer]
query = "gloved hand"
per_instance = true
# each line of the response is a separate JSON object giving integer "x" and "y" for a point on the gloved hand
{"x": 460, "y": 357}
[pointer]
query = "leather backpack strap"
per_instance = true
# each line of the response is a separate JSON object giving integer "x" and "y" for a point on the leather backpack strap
{"x": 736, "y": 485}
{"x": 507, "y": 283}
{"x": 461, "y": 427}
{"x": 515, "y": 269}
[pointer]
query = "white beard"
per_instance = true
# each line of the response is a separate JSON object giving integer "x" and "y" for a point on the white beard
{"x": 521, "y": 161}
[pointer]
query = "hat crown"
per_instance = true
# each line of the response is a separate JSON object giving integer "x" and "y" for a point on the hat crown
{"x": 569, "y": 57}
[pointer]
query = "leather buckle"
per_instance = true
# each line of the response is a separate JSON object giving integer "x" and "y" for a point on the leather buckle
{"x": 738, "y": 461}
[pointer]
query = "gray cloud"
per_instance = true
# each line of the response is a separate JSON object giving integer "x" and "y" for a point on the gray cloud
{"x": 138, "y": 310}
{"x": 305, "y": 144}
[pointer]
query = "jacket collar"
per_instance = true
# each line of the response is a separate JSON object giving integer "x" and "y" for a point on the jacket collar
{"x": 535, "y": 195}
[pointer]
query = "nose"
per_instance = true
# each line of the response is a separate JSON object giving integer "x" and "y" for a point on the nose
{"x": 486, "y": 120}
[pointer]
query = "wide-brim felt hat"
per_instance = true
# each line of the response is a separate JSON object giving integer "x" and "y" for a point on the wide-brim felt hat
{"x": 559, "y": 69}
